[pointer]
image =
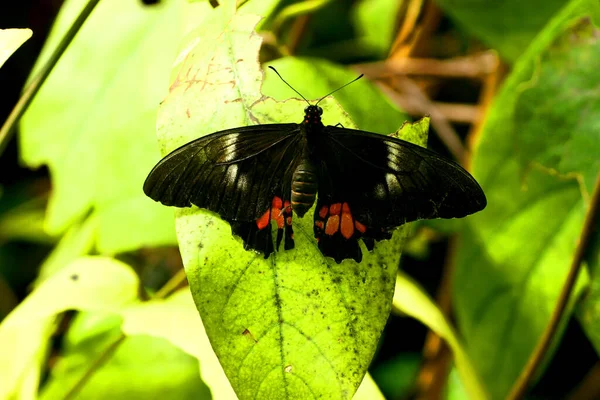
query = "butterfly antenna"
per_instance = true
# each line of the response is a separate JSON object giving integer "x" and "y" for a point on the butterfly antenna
{"x": 291, "y": 87}
{"x": 341, "y": 87}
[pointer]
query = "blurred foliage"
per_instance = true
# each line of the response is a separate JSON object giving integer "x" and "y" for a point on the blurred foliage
{"x": 82, "y": 317}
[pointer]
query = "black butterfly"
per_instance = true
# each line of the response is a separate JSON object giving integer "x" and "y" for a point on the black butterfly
{"x": 367, "y": 184}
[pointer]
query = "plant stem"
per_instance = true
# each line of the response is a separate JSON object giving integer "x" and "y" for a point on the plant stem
{"x": 519, "y": 389}
{"x": 36, "y": 82}
{"x": 173, "y": 284}
{"x": 106, "y": 354}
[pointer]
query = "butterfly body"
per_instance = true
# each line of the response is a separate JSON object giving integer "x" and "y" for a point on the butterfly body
{"x": 365, "y": 184}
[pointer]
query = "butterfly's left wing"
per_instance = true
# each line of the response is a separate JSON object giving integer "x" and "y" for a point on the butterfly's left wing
{"x": 243, "y": 174}
{"x": 370, "y": 184}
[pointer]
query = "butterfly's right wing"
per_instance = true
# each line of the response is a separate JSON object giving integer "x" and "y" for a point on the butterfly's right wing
{"x": 369, "y": 184}
{"x": 242, "y": 174}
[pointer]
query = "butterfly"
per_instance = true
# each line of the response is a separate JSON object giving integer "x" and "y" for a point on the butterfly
{"x": 364, "y": 184}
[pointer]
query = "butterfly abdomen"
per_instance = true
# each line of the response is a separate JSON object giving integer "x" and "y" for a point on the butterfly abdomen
{"x": 304, "y": 187}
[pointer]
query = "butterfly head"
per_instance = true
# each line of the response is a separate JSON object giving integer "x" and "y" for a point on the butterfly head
{"x": 312, "y": 115}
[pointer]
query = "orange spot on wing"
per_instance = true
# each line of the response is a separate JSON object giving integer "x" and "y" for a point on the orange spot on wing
{"x": 263, "y": 221}
{"x": 319, "y": 224}
{"x": 335, "y": 209}
{"x": 323, "y": 212}
{"x": 274, "y": 214}
{"x": 333, "y": 225}
{"x": 288, "y": 220}
{"x": 360, "y": 227}
{"x": 345, "y": 208}
{"x": 347, "y": 227}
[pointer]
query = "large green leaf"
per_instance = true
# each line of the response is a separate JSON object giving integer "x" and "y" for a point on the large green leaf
{"x": 570, "y": 145}
{"x": 297, "y": 324}
{"x": 92, "y": 121}
{"x": 176, "y": 320}
{"x": 508, "y": 26}
{"x": 514, "y": 257}
{"x": 90, "y": 283}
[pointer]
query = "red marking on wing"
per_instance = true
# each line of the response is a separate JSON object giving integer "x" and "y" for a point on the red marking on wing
{"x": 274, "y": 214}
{"x": 323, "y": 212}
{"x": 319, "y": 224}
{"x": 347, "y": 227}
{"x": 333, "y": 225}
{"x": 360, "y": 227}
{"x": 263, "y": 221}
{"x": 335, "y": 209}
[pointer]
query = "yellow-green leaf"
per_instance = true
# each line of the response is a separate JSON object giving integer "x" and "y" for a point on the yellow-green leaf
{"x": 11, "y": 40}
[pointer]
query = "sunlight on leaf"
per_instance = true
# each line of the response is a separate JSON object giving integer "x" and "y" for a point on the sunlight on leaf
{"x": 77, "y": 241}
{"x": 176, "y": 320}
{"x": 410, "y": 299}
{"x": 89, "y": 283}
{"x": 93, "y": 121}
{"x": 368, "y": 390}
{"x": 11, "y": 40}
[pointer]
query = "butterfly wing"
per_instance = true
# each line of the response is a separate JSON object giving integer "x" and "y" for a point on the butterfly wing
{"x": 243, "y": 174}
{"x": 370, "y": 184}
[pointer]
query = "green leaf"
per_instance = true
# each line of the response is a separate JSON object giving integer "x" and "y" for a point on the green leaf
{"x": 89, "y": 283}
{"x": 92, "y": 122}
{"x": 415, "y": 132}
{"x": 375, "y": 21}
{"x": 412, "y": 300}
{"x": 588, "y": 311}
{"x": 455, "y": 389}
{"x": 11, "y": 40}
{"x": 176, "y": 320}
{"x": 141, "y": 367}
{"x": 571, "y": 145}
{"x": 368, "y": 390}
{"x": 77, "y": 241}
{"x": 508, "y": 26}
{"x": 295, "y": 323}
{"x": 513, "y": 258}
